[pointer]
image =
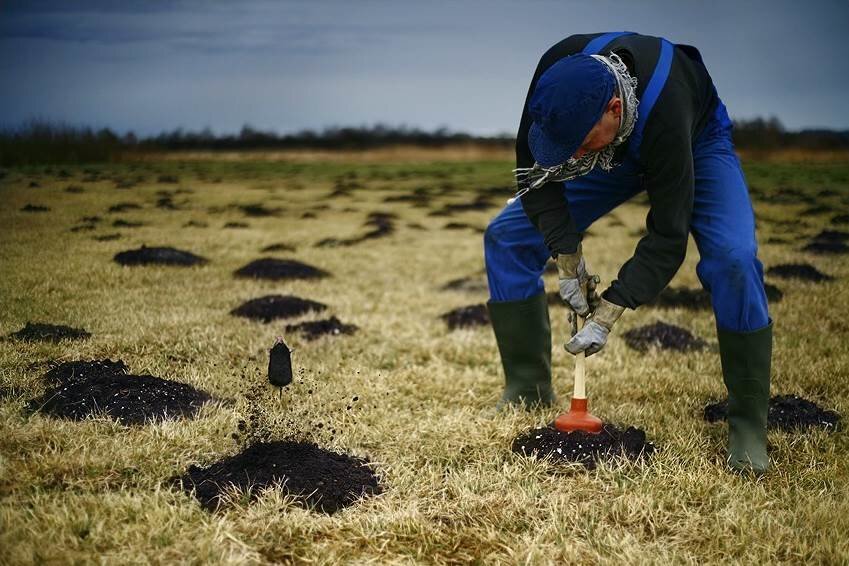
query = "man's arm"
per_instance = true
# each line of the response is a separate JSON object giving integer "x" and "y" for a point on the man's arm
{"x": 670, "y": 182}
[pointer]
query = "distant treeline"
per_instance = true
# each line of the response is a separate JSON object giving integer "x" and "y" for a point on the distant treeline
{"x": 44, "y": 142}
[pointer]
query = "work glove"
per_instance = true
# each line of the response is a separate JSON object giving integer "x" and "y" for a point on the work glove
{"x": 577, "y": 286}
{"x": 593, "y": 336}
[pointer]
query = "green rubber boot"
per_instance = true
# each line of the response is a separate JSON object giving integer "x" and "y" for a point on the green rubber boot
{"x": 746, "y": 358}
{"x": 523, "y": 332}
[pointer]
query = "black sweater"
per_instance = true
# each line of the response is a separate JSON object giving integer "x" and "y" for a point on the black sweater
{"x": 665, "y": 165}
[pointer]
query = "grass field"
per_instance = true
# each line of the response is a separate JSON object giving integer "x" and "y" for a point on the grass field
{"x": 98, "y": 492}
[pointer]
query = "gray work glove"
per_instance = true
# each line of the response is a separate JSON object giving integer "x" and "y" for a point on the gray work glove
{"x": 593, "y": 336}
{"x": 577, "y": 286}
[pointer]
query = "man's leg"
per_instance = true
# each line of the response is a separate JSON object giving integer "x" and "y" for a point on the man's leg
{"x": 515, "y": 256}
{"x": 724, "y": 228}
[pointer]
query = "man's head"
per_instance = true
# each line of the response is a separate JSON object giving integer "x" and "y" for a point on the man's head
{"x": 575, "y": 110}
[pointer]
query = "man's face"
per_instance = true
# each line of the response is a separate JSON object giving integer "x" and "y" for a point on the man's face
{"x": 604, "y": 132}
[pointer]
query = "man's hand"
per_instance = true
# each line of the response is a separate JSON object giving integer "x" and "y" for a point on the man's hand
{"x": 572, "y": 270}
{"x": 593, "y": 336}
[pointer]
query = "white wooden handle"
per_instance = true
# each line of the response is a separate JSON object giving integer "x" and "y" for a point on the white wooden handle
{"x": 580, "y": 377}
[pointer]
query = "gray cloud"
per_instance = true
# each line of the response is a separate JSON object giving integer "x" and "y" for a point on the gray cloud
{"x": 150, "y": 66}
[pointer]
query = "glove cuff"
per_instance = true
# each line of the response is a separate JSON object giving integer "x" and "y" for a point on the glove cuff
{"x": 567, "y": 264}
{"x": 607, "y": 313}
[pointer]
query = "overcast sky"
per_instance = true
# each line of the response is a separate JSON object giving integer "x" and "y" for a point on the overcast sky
{"x": 288, "y": 65}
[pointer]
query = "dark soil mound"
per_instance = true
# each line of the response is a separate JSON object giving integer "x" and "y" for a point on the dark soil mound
{"x": 79, "y": 390}
{"x": 469, "y": 284}
{"x": 803, "y": 271}
{"x": 280, "y": 247}
{"x": 278, "y": 269}
{"x": 236, "y": 225}
{"x": 832, "y": 236}
{"x": 325, "y": 480}
{"x": 582, "y": 447}
{"x": 786, "y": 412}
{"x": 840, "y": 219}
{"x": 158, "y": 256}
{"x": 121, "y": 223}
{"x": 34, "y": 208}
{"x": 683, "y": 297}
{"x": 816, "y": 210}
{"x": 825, "y": 247}
{"x": 40, "y": 332}
{"x": 382, "y": 224}
{"x": 663, "y": 336}
{"x": 699, "y": 299}
{"x": 315, "y": 329}
{"x": 462, "y": 317}
{"x": 124, "y": 206}
{"x": 258, "y": 210}
{"x": 462, "y": 226}
{"x": 272, "y": 307}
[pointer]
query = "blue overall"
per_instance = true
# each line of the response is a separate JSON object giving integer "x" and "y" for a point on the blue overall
{"x": 722, "y": 222}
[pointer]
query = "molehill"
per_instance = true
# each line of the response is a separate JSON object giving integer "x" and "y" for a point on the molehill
{"x": 158, "y": 256}
{"x": 786, "y": 412}
{"x": 801, "y": 271}
{"x": 280, "y": 269}
{"x": 315, "y": 329}
{"x": 464, "y": 317}
{"x": 41, "y": 332}
{"x": 582, "y": 447}
{"x": 271, "y": 307}
{"x": 319, "y": 479}
{"x": 663, "y": 336}
{"x": 82, "y": 389}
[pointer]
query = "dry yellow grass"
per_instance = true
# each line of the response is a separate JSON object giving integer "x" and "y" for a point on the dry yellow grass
{"x": 95, "y": 492}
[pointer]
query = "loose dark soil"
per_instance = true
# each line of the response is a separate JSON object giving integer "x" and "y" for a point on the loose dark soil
{"x": 320, "y": 479}
{"x": 280, "y": 364}
{"x": 816, "y": 210}
{"x": 123, "y": 207}
{"x": 464, "y": 317}
{"x": 663, "y": 336}
{"x": 195, "y": 224}
{"x": 76, "y": 189}
{"x": 34, "y": 208}
{"x": 272, "y": 307}
{"x": 699, "y": 299}
{"x": 611, "y": 443}
{"x": 121, "y": 223}
{"x": 468, "y": 284}
{"x": 108, "y": 237}
{"x": 831, "y": 236}
{"x": 79, "y": 390}
{"x": 258, "y": 210}
{"x": 824, "y": 247}
{"x": 279, "y": 269}
{"x": 158, "y": 256}
{"x": 280, "y": 247}
{"x": 462, "y": 226}
{"x": 315, "y": 329}
{"x": 840, "y": 219}
{"x": 232, "y": 225}
{"x": 40, "y": 332}
{"x": 786, "y": 412}
{"x": 803, "y": 271}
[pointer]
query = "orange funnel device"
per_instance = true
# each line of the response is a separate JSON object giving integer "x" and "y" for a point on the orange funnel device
{"x": 578, "y": 417}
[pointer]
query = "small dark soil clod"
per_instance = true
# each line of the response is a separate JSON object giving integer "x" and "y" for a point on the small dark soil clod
{"x": 802, "y": 271}
{"x": 582, "y": 447}
{"x": 158, "y": 256}
{"x": 786, "y": 412}
{"x": 320, "y": 479}
{"x": 272, "y": 307}
{"x": 315, "y": 329}
{"x": 79, "y": 390}
{"x": 40, "y": 332}
{"x": 280, "y": 364}
{"x": 463, "y": 317}
{"x": 663, "y": 336}
{"x": 279, "y": 269}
